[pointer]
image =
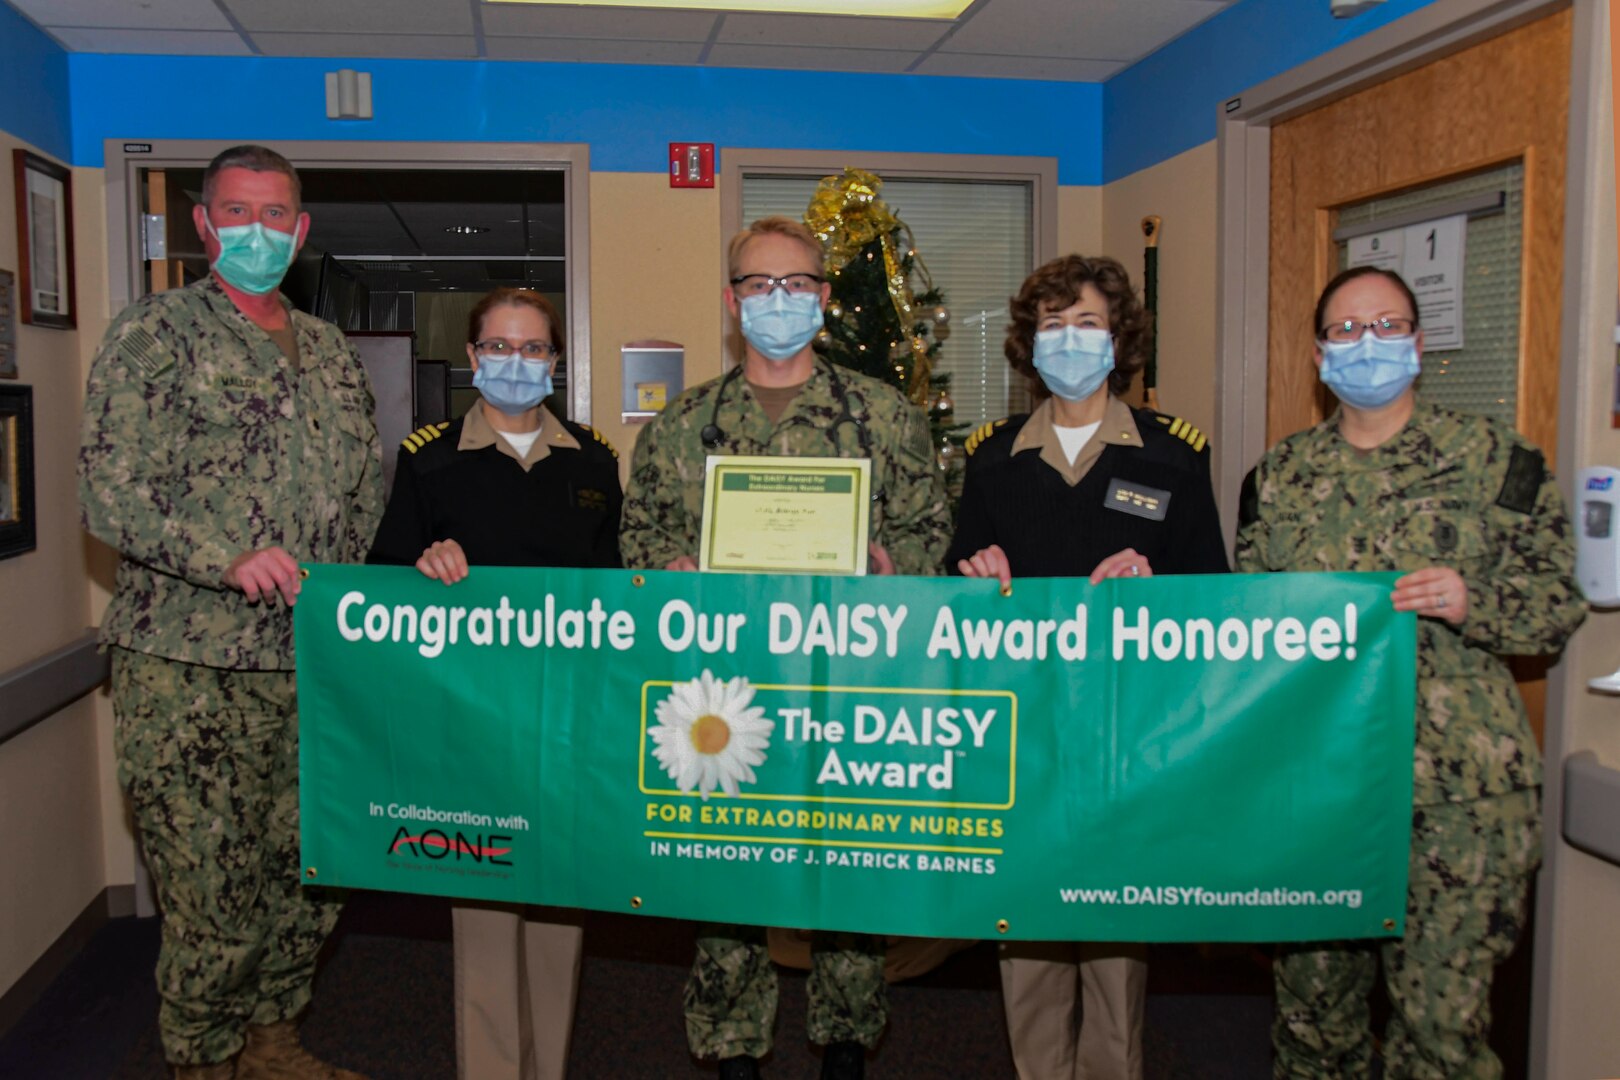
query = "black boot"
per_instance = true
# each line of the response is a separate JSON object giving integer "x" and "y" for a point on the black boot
{"x": 741, "y": 1067}
{"x": 843, "y": 1061}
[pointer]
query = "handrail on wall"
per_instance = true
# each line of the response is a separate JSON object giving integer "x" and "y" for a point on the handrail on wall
{"x": 1592, "y": 806}
{"x": 45, "y": 686}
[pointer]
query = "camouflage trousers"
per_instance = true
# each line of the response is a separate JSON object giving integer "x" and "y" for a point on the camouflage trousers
{"x": 1471, "y": 864}
{"x": 730, "y": 996}
{"x": 209, "y": 760}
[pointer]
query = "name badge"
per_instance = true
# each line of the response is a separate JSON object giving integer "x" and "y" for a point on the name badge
{"x": 1148, "y": 502}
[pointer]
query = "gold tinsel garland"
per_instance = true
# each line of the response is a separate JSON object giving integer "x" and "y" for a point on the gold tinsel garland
{"x": 846, "y": 213}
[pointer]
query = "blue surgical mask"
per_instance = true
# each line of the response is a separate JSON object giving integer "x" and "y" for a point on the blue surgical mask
{"x": 1370, "y": 372}
{"x": 780, "y": 324}
{"x": 1074, "y": 360}
{"x": 252, "y": 257}
{"x": 513, "y": 385}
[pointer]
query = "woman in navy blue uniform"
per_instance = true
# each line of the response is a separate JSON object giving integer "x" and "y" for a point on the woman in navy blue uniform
{"x": 1083, "y": 486}
{"x": 509, "y": 484}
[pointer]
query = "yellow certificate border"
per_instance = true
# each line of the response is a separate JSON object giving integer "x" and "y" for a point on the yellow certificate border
{"x": 858, "y": 469}
{"x": 1012, "y": 751}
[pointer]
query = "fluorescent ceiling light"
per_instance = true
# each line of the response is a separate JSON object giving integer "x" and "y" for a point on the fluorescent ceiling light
{"x": 895, "y": 9}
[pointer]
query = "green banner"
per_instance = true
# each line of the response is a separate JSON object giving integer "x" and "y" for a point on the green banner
{"x": 1224, "y": 758}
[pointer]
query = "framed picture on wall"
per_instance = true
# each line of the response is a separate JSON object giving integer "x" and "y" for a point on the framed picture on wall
{"x": 16, "y": 470}
{"x": 44, "y": 241}
{"x": 8, "y": 325}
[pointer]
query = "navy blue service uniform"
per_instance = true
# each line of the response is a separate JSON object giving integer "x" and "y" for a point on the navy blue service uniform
{"x": 1142, "y": 482}
{"x": 516, "y": 966}
{"x": 461, "y": 481}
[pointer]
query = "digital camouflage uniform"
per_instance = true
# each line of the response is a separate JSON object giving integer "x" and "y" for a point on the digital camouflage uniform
{"x": 1468, "y": 493}
{"x": 200, "y": 442}
{"x": 731, "y": 995}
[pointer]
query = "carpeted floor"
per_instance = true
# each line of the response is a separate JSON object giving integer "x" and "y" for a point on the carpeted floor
{"x": 382, "y": 1006}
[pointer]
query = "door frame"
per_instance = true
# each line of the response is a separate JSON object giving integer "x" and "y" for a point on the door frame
{"x": 573, "y": 160}
{"x": 1586, "y": 317}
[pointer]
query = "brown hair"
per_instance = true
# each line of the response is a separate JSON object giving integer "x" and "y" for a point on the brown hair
{"x": 772, "y": 226}
{"x": 1344, "y": 277}
{"x": 254, "y": 159}
{"x": 509, "y": 297}
{"x": 1056, "y": 286}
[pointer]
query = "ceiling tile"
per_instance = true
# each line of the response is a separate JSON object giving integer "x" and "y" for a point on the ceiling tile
{"x": 747, "y": 28}
{"x": 979, "y": 65}
{"x": 804, "y": 58}
{"x": 355, "y": 16}
{"x": 409, "y": 46}
{"x": 533, "y": 20}
{"x": 1081, "y": 29}
{"x": 155, "y": 42}
{"x": 148, "y": 14}
{"x": 593, "y": 50}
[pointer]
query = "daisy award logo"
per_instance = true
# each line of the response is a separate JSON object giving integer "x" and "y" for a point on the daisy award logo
{"x": 709, "y": 735}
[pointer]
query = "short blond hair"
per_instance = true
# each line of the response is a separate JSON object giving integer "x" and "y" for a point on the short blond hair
{"x": 771, "y": 226}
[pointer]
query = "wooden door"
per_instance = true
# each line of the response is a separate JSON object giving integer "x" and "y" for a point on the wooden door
{"x": 166, "y": 197}
{"x": 1500, "y": 101}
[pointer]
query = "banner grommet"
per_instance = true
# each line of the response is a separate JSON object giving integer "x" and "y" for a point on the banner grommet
{"x": 309, "y": 872}
{"x": 635, "y": 901}
{"x": 303, "y": 573}
{"x": 638, "y": 581}
{"x": 1389, "y": 924}
{"x": 1006, "y": 590}
{"x": 1002, "y": 926}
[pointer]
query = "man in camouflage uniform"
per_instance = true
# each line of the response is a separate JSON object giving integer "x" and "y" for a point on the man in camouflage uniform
{"x": 790, "y": 405}
{"x": 1472, "y": 515}
{"x": 226, "y": 438}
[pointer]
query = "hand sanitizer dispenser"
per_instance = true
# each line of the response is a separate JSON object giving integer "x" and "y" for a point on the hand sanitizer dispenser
{"x": 1597, "y": 534}
{"x": 1597, "y": 546}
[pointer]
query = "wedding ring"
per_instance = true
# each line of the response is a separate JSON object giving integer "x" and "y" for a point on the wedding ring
{"x": 1439, "y": 601}
{"x": 1136, "y": 571}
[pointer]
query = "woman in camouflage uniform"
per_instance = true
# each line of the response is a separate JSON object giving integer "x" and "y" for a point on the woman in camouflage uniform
{"x": 1470, "y": 513}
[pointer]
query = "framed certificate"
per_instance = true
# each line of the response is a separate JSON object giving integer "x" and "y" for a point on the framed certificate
{"x": 786, "y": 515}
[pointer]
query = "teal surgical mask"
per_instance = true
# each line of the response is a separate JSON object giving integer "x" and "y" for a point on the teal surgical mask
{"x": 1371, "y": 371}
{"x": 252, "y": 257}
{"x": 513, "y": 385}
{"x": 780, "y": 324}
{"x": 1073, "y": 361}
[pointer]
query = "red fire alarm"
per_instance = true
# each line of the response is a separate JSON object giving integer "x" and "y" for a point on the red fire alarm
{"x": 691, "y": 164}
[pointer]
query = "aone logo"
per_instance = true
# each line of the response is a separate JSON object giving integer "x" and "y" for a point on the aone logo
{"x": 438, "y": 845}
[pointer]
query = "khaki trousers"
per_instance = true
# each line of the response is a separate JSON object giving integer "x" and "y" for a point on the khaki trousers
{"x": 516, "y": 979}
{"x": 1054, "y": 1040}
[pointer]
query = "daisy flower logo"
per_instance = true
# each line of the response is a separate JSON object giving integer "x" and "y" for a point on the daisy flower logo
{"x": 708, "y": 735}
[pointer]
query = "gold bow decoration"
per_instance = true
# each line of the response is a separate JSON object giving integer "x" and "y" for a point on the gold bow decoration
{"x": 847, "y": 213}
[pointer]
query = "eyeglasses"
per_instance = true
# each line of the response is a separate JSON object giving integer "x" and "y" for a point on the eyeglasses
{"x": 1351, "y": 329}
{"x": 534, "y": 351}
{"x": 760, "y": 284}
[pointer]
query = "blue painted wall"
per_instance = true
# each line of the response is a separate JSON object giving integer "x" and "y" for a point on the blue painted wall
{"x": 33, "y": 86}
{"x": 627, "y": 113}
{"x": 1167, "y": 102}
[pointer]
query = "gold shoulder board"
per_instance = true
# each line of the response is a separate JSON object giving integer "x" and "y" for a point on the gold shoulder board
{"x": 422, "y": 436}
{"x": 982, "y": 434}
{"x": 1185, "y": 432}
{"x": 599, "y": 437}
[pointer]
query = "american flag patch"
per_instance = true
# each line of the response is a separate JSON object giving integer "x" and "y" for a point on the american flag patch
{"x": 140, "y": 348}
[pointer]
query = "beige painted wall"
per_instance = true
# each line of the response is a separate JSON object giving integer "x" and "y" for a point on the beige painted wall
{"x": 50, "y": 802}
{"x": 1181, "y": 191}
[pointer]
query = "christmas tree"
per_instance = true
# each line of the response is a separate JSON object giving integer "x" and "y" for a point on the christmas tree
{"x": 886, "y": 317}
